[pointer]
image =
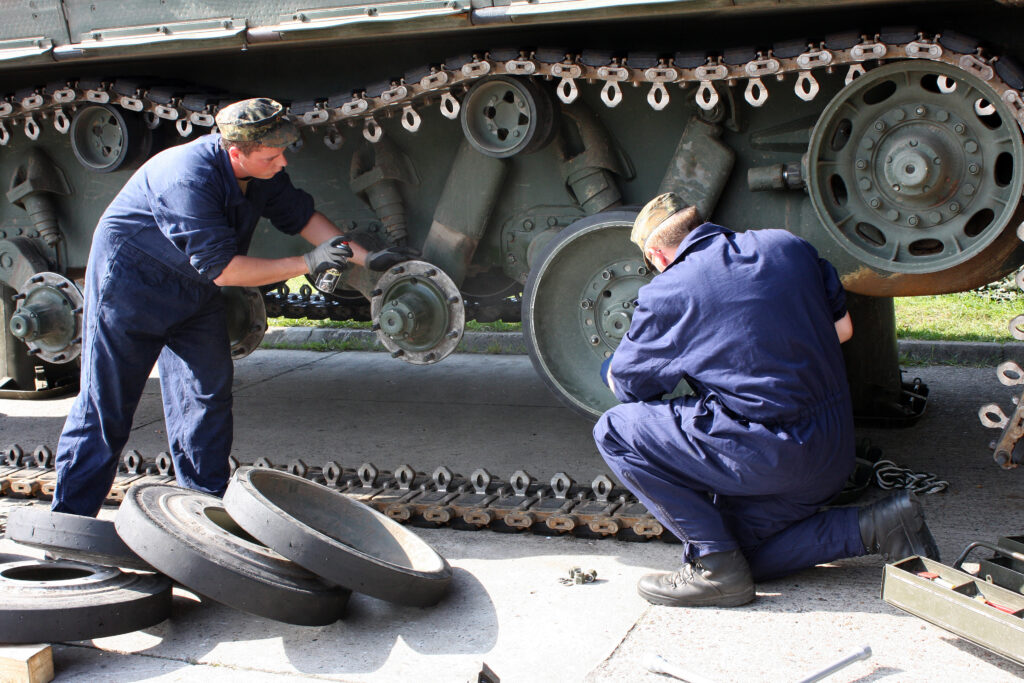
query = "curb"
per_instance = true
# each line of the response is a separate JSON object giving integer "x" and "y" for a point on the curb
{"x": 510, "y": 343}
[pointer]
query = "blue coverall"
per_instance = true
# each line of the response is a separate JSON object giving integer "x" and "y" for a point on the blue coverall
{"x": 747, "y": 319}
{"x": 150, "y": 297}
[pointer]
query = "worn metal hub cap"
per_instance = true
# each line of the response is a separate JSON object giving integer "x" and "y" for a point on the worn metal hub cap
{"x": 608, "y": 301}
{"x": 418, "y": 313}
{"x": 49, "y": 317}
{"x": 916, "y": 167}
{"x": 504, "y": 116}
{"x": 103, "y": 138}
{"x": 578, "y": 304}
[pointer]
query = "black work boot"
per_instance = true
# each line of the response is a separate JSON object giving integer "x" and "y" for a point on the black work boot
{"x": 719, "y": 579}
{"x": 894, "y": 527}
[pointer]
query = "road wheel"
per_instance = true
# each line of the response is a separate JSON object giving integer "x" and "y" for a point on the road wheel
{"x": 190, "y": 537}
{"x": 340, "y": 539}
{"x": 578, "y": 304}
{"x": 45, "y": 602}
{"x": 72, "y": 537}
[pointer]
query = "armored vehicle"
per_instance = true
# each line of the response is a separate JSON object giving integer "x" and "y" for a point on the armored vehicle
{"x": 512, "y": 142}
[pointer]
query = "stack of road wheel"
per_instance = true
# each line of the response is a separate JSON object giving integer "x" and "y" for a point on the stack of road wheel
{"x": 277, "y": 546}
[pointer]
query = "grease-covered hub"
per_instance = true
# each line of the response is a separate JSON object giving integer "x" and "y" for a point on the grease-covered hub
{"x": 49, "y": 317}
{"x": 246, "y": 319}
{"x": 608, "y": 301}
{"x": 418, "y": 312}
{"x": 915, "y": 167}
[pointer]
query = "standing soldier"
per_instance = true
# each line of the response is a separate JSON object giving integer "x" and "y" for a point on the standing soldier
{"x": 177, "y": 232}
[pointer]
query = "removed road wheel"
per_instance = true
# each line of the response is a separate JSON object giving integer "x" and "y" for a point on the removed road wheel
{"x": 190, "y": 537}
{"x": 45, "y": 602}
{"x": 72, "y": 537}
{"x": 339, "y": 538}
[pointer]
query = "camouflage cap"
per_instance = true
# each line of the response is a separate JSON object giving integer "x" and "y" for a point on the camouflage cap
{"x": 654, "y": 216}
{"x": 259, "y": 119}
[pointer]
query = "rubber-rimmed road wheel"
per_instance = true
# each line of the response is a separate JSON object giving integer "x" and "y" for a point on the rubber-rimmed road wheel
{"x": 45, "y": 602}
{"x": 190, "y": 537}
{"x": 578, "y": 304}
{"x": 72, "y": 537}
{"x": 340, "y": 539}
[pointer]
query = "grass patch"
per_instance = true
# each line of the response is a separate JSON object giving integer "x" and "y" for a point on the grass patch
{"x": 471, "y": 325}
{"x": 979, "y": 315}
{"x": 966, "y": 316}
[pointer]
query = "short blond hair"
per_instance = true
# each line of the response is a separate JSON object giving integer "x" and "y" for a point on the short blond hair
{"x": 674, "y": 229}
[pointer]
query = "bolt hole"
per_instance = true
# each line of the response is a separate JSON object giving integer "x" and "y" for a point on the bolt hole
{"x": 871, "y": 234}
{"x": 930, "y": 82}
{"x": 926, "y": 247}
{"x": 839, "y": 193}
{"x": 607, "y": 294}
{"x": 1004, "y": 169}
{"x": 978, "y": 222}
{"x": 841, "y": 136}
{"x": 881, "y": 92}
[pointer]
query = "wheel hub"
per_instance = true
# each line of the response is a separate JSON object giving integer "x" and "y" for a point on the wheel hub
{"x": 418, "y": 313}
{"x": 49, "y": 317}
{"x": 608, "y": 302}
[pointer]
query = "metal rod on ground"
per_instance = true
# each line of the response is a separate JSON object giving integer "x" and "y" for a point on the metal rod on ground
{"x": 860, "y": 654}
{"x": 659, "y": 665}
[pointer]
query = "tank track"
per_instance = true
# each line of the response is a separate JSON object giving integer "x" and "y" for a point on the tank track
{"x": 312, "y": 305}
{"x": 445, "y": 498}
{"x": 440, "y": 83}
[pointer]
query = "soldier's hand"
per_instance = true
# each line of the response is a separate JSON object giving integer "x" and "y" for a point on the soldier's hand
{"x": 385, "y": 258}
{"x": 334, "y": 253}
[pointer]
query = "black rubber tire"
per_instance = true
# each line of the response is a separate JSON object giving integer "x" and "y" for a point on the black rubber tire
{"x": 190, "y": 537}
{"x": 72, "y": 537}
{"x": 46, "y": 602}
{"x": 337, "y": 537}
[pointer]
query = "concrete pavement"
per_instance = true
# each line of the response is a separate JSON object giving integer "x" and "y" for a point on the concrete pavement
{"x": 506, "y": 607}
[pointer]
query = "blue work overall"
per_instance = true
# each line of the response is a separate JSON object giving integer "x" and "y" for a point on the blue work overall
{"x": 747, "y": 319}
{"x": 150, "y": 298}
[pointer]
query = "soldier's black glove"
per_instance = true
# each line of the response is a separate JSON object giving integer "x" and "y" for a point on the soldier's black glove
{"x": 390, "y": 256}
{"x": 334, "y": 253}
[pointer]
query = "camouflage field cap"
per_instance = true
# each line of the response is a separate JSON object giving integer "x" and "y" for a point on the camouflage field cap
{"x": 259, "y": 119}
{"x": 653, "y": 217}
